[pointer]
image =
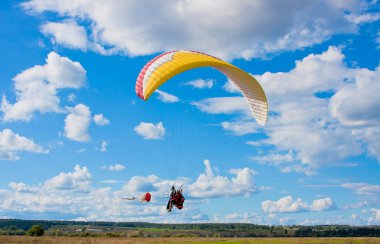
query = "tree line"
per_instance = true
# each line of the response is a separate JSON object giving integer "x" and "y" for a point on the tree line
{"x": 39, "y": 227}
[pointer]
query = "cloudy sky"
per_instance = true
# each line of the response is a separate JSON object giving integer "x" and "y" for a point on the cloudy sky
{"x": 75, "y": 138}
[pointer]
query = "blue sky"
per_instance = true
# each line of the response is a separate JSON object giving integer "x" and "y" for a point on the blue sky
{"x": 75, "y": 138}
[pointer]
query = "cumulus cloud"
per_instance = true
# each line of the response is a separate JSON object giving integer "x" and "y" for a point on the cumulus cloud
{"x": 114, "y": 167}
{"x": 322, "y": 204}
{"x": 69, "y": 194}
{"x": 350, "y": 108}
{"x": 166, "y": 97}
{"x": 73, "y": 195}
{"x": 79, "y": 180}
{"x": 237, "y": 33}
{"x": 209, "y": 185}
{"x": 318, "y": 114}
{"x": 100, "y": 119}
{"x": 68, "y": 34}
{"x": 77, "y": 123}
{"x": 200, "y": 83}
{"x": 348, "y": 104}
{"x": 289, "y": 205}
{"x": 19, "y": 187}
{"x": 150, "y": 131}
{"x": 150, "y": 183}
{"x": 284, "y": 205}
{"x": 12, "y": 143}
{"x": 37, "y": 87}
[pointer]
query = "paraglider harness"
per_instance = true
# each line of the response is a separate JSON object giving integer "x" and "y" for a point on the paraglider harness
{"x": 176, "y": 199}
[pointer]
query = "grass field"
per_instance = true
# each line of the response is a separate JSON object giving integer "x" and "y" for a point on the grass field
{"x": 90, "y": 240}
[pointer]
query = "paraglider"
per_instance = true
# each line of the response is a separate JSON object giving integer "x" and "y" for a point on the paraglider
{"x": 167, "y": 65}
{"x": 176, "y": 199}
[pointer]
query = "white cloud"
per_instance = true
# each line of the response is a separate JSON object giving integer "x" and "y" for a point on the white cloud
{"x": 368, "y": 193}
{"x": 11, "y": 144}
{"x": 285, "y": 161}
{"x": 350, "y": 108}
{"x": 363, "y": 188}
{"x": 339, "y": 219}
{"x": 100, "y": 119}
{"x": 228, "y": 34}
{"x": 230, "y": 87}
{"x": 371, "y": 135}
{"x": 18, "y": 187}
{"x": 318, "y": 114}
{"x": 375, "y": 218}
{"x": 355, "y": 205}
{"x": 311, "y": 116}
{"x": 150, "y": 131}
{"x": 209, "y": 185}
{"x": 166, "y": 97}
{"x": 314, "y": 73}
{"x": 72, "y": 195}
{"x": 240, "y": 218}
{"x": 68, "y": 34}
{"x": 112, "y": 181}
{"x": 348, "y": 104}
{"x": 37, "y": 87}
{"x": 150, "y": 183}
{"x": 322, "y": 204}
{"x": 79, "y": 180}
{"x": 223, "y": 105}
{"x": 240, "y": 128}
{"x": 103, "y": 147}
{"x": 68, "y": 193}
{"x": 363, "y": 18}
{"x": 284, "y": 205}
{"x": 114, "y": 167}
{"x": 77, "y": 123}
{"x": 289, "y": 205}
{"x": 200, "y": 83}
{"x": 253, "y": 218}
{"x": 71, "y": 97}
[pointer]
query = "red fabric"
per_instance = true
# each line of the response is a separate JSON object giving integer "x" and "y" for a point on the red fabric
{"x": 178, "y": 200}
{"x": 147, "y": 197}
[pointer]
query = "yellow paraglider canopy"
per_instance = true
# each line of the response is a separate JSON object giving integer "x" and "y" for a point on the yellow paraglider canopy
{"x": 165, "y": 66}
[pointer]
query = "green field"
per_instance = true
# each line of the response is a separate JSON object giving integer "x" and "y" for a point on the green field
{"x": 90, "y": 240}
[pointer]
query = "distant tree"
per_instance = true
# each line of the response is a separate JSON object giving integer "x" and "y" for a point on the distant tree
{"x": 35, "y": 230}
